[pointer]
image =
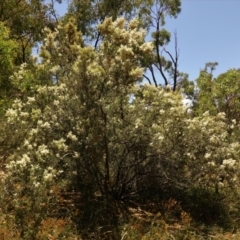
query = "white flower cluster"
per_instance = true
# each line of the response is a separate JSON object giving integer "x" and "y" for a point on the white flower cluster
{"x": 11, "y": 115}
{"x": 60, "y": 144}
{"x": 42, "y": 151}
{"x": 229, "y": 162}
{"x": 49, "y": 174}
{"x": 147, "y": 47}
{"x": 31, "y": 100}
{"x": 71, "y": 136}
{"x": 19, "y": 163}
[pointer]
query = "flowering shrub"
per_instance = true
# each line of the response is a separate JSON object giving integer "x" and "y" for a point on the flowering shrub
{"x": 97, "y": 129}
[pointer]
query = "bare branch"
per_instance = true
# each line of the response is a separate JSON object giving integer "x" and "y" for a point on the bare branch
{"x": 153, "y": 75}
{"x": 158, "y": 53}
{"x": 53, "y": 11}
{"x": 174, "y": 61}
{"x": 148, "y": 79}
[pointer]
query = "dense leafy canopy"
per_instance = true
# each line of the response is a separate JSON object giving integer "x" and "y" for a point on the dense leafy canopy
{"x": 7, "y": 49}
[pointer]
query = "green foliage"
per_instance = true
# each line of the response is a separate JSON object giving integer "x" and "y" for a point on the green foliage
{"x": 21, "y": 25}
{"x": 219, "y": 94}
{"x": 90, "y": 13}
{"x": 7, "y": 57}
{"x": 205, "y": 98}
{"x": 226, "y": 93}
{"x": 26, "y": 20}
{"x": 7, "y": 51}
{"x": 161, "y": 37}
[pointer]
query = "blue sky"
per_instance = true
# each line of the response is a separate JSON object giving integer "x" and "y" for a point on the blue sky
{"x": 208, "y": 31}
